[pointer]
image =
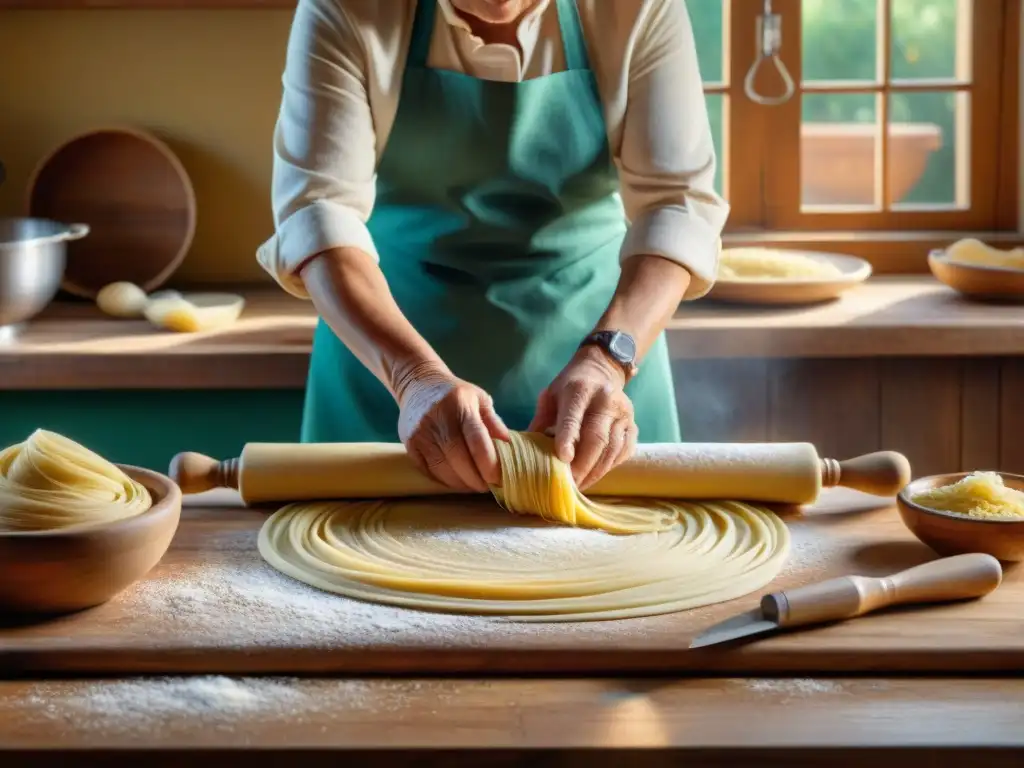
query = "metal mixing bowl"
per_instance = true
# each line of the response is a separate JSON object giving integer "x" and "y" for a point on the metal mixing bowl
{"x": 32, "y": 258}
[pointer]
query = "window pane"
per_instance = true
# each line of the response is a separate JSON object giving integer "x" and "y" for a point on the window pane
{"x": 839, "y": 149}
{"x": 708, "y": 22}
{"x": 925, "y": 37}
{"x": 840, "y": 39}
{"x": 928, "y": 148}
{"x": 716, "y": 115}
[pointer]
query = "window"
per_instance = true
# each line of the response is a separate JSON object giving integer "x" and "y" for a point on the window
{"x": 904, "y": 118}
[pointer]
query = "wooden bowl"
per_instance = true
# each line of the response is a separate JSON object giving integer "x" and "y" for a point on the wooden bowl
{"x": 796, "y": 291}
{"x": 60, "y": 571}
{"x": 950, "y": 534}
{"x": 977, "y": 281}
{"x": 135, "y": 195}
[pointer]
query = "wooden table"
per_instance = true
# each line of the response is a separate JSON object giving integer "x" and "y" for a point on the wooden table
{"x": 754, "y": 722}
{"x": 177, "y": 624}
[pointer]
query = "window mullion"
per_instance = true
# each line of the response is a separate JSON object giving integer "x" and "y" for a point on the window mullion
{"x": 747, "y": 134}
{"x": 781, "y": 165}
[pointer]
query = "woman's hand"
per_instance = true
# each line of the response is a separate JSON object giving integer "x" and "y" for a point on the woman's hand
{"x": 590, "y": 414}
{"x": 448, "y": 427}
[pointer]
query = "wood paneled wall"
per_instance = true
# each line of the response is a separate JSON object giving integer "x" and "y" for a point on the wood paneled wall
{"x": 945, "y": 414}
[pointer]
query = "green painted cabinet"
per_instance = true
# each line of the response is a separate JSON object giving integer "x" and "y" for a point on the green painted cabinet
{"x": 147, "y": 427}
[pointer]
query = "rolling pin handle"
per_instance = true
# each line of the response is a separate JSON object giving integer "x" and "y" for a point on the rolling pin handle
{"x": 196, "y": 473}
{"x": 884, "y": 473}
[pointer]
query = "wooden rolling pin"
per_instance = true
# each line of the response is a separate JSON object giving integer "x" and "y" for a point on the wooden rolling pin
{"x": 788, "y": 473}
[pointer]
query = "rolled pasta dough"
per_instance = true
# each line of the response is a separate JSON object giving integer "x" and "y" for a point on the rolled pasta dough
{"x": 51, "y": 482}
{"x": 653, "y": 556}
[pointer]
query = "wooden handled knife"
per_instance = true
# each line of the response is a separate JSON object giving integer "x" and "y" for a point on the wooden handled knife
{"x": 962, "y": 577}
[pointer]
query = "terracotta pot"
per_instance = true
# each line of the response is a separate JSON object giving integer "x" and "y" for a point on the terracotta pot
{"x": 837, "y": 160}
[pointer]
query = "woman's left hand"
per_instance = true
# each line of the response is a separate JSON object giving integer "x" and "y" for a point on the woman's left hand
{"x": 590, "y": 414}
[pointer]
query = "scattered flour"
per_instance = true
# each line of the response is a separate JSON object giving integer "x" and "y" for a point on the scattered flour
{"x": 145, "y": 704}
{"x": 811, "y": 551}
{"x": 233, "y": 598}
{"x": 793, "y": 687}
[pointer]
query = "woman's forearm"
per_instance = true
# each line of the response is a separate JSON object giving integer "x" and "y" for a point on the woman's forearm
{"x": 649, "y": 291}
{"x": 352, "y": 296}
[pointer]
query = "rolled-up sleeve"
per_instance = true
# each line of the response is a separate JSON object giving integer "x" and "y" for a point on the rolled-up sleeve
{"x": 324, "y": 146}
{"x": 667, "y": 158}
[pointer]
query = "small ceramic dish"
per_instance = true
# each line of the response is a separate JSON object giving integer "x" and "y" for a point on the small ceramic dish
{"x": 976, "y": 280}
{"x": 48, "y": 572}
{"x": 951, "y": 534}
{"x": 794, "y": 290}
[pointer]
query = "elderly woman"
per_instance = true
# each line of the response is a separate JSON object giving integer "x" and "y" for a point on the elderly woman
{"x": 495, "y": 207}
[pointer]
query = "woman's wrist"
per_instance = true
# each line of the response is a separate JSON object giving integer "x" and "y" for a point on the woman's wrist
{"x": 412, "y": 374}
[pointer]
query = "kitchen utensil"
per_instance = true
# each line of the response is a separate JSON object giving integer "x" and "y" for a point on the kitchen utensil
{"x": 32, "y": 262}
{"x": 955, "y": 578}
{"x": 769, "y": 472}
{"x": 797, "y": 290}
{"x": 67, "y": 570}
{"x": 136, "y": 196}
{"x": 977, "y": 281}
{"x": 950, "y": 534}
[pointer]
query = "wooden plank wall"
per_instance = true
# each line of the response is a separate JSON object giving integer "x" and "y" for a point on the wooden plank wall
{"x": 945, "y": 414}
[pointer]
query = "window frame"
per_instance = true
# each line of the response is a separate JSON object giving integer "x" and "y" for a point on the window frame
{"x": 762, "y": 152}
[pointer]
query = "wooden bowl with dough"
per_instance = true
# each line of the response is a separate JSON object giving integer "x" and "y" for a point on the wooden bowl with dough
{"x": 794, "y": 291}
{"x": 951, "y": 534}
{"x": 977, "y": 281}
{"x": 59, "y": 571}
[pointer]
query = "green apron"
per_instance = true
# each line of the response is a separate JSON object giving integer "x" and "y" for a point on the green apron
{"x": 499, "y": 224}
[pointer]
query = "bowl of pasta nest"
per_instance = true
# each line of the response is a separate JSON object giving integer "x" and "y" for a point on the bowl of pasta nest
{"x": 75, "y": 529}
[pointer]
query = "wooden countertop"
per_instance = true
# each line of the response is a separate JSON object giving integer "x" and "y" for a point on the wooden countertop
{"x": 762, "y": 722}
{"x": 213, "y": 606}
{"x": 72, "y": 346}
{"x": 195, "y": 712}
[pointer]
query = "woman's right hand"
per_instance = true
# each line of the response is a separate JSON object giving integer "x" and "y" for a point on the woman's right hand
{"x": 449, "y": 426}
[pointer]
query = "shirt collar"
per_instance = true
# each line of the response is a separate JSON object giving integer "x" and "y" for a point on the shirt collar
{"x": 454, "y": 20}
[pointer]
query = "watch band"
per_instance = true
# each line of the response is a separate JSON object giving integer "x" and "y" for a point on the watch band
{"x": 618, "y": 346}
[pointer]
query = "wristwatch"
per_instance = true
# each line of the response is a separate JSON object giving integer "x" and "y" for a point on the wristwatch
{"x": 619, "y": 346}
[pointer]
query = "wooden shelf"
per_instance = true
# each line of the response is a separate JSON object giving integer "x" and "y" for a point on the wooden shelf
{"x": 143, "y": 5}
{"x": 72, "y": 346}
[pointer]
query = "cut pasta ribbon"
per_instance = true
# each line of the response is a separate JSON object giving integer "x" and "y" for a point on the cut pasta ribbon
{"x": 50, "y": 482}
{"x": 457, "y": 555}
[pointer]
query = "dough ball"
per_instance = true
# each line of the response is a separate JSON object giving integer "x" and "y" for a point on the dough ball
{"x": 122, "y": 299}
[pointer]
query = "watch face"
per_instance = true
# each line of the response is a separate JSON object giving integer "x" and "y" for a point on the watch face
{"x": 623, "y": 347}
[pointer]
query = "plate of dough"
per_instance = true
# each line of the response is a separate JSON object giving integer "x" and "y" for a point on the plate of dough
{"x": 777, "y": 276}
{"x": 978, "y": 270}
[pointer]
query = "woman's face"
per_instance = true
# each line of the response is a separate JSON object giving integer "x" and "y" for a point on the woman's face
{"x": 494, "y": 11}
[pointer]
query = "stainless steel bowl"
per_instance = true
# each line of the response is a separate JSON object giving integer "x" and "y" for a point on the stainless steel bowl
{"x": 32, "y": 258}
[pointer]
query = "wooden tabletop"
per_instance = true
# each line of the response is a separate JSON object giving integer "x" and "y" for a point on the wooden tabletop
{"x": 73, "y": 346}
{"x": 750, "y": 722}
{"x": 196, "y": 711}
{"x": 213, "y": 606}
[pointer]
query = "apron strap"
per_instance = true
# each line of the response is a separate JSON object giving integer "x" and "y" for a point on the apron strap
{"x": 422, "y": 32}
{"x": 572, "y": 35}
{"x": 569, "y": 24}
